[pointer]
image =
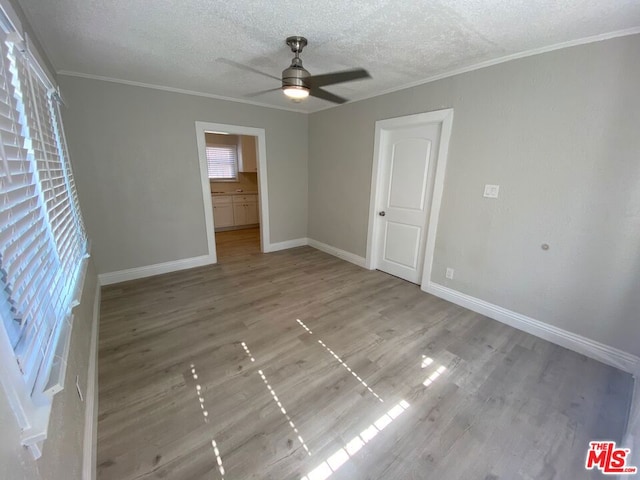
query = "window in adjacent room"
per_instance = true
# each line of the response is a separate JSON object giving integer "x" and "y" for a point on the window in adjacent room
{"x": 222, "y": 162}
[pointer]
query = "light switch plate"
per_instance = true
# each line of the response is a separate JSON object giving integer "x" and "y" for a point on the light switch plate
{"x": 491, "y": 191}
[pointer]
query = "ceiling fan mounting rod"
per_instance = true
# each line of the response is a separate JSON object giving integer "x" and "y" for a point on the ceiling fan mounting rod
{"x": 294, "y": 78}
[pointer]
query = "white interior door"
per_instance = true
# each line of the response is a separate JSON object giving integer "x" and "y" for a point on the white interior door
{"x": 407, "y": 164}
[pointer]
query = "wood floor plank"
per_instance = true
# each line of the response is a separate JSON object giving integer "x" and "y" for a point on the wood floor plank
{"x": 504, "y": 405}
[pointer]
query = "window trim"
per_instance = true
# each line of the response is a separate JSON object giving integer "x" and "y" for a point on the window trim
{"x": 237, "y": 166}
{"x": 32, "y": 410}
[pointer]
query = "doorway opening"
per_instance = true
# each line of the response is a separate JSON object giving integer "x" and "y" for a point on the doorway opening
{"x": 410, "y": 155}
{"x": 234, "y": 187}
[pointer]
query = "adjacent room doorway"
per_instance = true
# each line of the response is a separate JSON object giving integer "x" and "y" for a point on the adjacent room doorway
{"x": 234, "y": 188}
{"x": 407, "y": 182}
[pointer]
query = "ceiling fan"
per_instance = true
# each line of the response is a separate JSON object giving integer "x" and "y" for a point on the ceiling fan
{"x": 298, "y": 83}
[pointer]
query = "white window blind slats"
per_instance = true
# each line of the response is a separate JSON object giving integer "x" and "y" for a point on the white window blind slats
{"x": 5, "y": 110}
{"x": 10, "y": 140}
{"x": 73, "y": 235}
{"x": 16, "y": 184}
{"x": 25, "y": 227}
{"x": 68, "y": 173}
{"x": 34, "y": 307}
{"x": 27, "y": 263}
{"x": 29, "y": 298}
{"x": 22, "y": 230}
{"x": 15, "y": 196}
{"x": 34, "y": 340}
{"x": 38, "y": 324}
{"x": 33, "y": 302}
{"x": 222, "y": 161}
{"x": 55, "y": 188}
{"x": 15, "y": 252}
{"x": 11, "y": 221}
{"x": 42, "y": 237}
{"x": 14, "y": 150}
{"x": 38, "y": 317}
{"x": 50, "y": 165}
{"x": 39, "y": 308}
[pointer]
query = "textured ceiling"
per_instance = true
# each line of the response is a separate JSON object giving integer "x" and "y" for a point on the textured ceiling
{"x": 401, "y": 42}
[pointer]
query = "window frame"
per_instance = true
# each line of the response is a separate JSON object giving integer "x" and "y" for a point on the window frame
{"x": 32, "y": 408}
{"x": 236, "y": 164}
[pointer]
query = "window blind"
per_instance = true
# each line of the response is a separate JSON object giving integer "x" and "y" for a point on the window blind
{"x": 222, "y": 162}
{"x": 42, "y": 239}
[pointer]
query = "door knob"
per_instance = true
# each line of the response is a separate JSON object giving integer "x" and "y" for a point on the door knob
{"x": 382, "y": 213}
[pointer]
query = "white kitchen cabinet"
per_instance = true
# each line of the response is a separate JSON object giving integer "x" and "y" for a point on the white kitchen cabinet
{"x": 245, "y": 213}
{"x": 252, "y": 213}
{"x": 239, "y": 214}
{"x": 223, "y": 211}
{"x": 235, "y": 210}
{"x": 245, "y": 209}
{"x": 223, "y": 215}
{"x": 248, "y": 157}
{"x": 245, "y": 198}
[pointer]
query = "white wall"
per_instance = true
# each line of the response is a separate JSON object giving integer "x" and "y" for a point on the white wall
{"x": 136, "y": 164}
{"x": 559, "y": 132}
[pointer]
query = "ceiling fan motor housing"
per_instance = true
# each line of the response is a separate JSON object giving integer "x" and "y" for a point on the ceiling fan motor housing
{"x": 295, "y": 75}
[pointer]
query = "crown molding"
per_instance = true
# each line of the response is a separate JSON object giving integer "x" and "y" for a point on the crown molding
{"x": 69, "y": 73}
{"x": 488, "y": 63}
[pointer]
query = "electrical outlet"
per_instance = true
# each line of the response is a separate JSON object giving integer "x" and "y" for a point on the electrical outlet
{"x": 491, "y": 191}
{"x": 449, "y": 274}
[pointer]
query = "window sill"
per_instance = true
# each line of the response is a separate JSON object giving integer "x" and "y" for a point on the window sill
{"x": 33, "y": 411}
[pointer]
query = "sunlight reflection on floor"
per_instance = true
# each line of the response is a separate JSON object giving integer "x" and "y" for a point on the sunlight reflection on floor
{"x": 205, "y": 415}
{"x": 341, "y": 362}
{"x": 342, "y": 455}
{"x": 277, "y": 400}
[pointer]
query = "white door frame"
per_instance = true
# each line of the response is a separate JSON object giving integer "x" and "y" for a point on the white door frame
{"x": 263, "y": 193}
{"x": 445, "y": 119}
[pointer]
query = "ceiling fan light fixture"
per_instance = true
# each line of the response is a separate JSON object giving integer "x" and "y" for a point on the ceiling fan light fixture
{"x": 298, "y": 84}
{"x": 296, "y": 92}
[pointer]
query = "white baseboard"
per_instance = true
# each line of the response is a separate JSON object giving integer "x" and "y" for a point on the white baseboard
{"x": 590, "y": 348}
{"x": 157, "y": 269}
{"x": 91, "y": 407}
{"x": 296, "y": 242}
{"x": 336, "y": 252}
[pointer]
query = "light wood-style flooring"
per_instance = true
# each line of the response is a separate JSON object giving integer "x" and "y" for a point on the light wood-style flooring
{"x": 237, "y": 242}
{"x": 208, "y": 374}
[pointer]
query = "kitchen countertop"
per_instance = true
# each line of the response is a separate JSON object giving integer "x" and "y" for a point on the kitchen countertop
{"x": 221, "y": 194}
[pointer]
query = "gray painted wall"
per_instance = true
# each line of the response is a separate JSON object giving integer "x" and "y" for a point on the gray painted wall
{"x": 34, "y": 41}
{"x": 63, "y": 451}
{"x": 136, "y": 164}
{"x": 559, "y": 132}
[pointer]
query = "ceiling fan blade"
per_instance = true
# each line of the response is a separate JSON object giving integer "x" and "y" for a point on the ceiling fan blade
{"x": 247, "y": 68}
{"x": 323, "y": 94}
{"x": 337, "y": 77}
{"x": 255, "y": 94}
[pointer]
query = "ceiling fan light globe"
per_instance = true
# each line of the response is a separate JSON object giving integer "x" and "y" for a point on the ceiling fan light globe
{"x": 295, "y": 92}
